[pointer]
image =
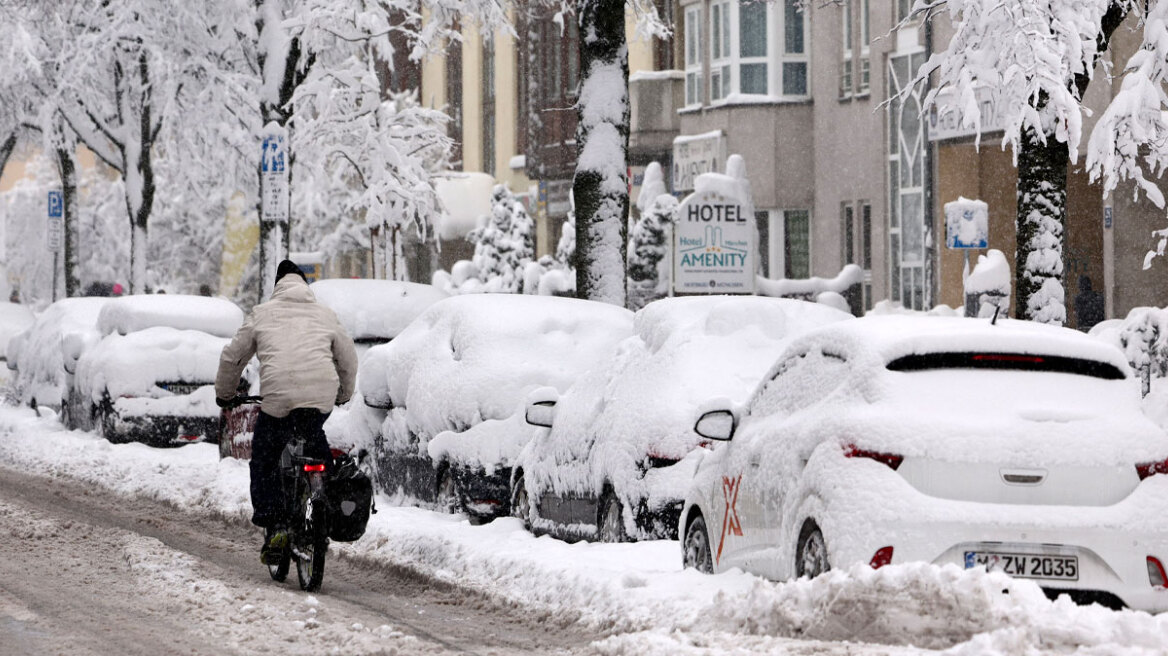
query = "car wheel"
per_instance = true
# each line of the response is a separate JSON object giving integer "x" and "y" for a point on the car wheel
{"x": 811, "y": 552}
{"x": 521, "y": 503}
{"x": 448, "y": 496}
{"x": 611, "y": 523}
{"x": 696, "y": 548}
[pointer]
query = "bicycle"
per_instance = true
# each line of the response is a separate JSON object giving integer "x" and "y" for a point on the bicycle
{"x": 303, "y": 480}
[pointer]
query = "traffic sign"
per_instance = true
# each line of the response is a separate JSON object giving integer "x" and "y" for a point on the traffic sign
{"x": 55, "y": 228}
{"x": 274, "y": 174}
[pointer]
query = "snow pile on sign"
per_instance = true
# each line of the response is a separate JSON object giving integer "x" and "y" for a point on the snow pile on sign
{"x": 63, "y": 331}
{"x": 127, "y": 314}
{"x": 134, "y": 364}
{"x": 473, "y": 358}
{"x": 687, "y": 353}
{"x": 636, "y": 588}
{"x": 375, "y": 309}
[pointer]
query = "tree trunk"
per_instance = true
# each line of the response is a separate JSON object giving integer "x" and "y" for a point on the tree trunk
{"x": 67, "y": 168}
{"x": 6, "y": 149}
{"x": 600, "y": 188}
{"x": 1042, "y": 199}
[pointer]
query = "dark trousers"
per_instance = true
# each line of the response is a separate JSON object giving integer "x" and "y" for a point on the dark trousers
{"x": 268, "y": 504}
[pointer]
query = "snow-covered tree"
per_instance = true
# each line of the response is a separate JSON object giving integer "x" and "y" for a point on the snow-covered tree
{"x": 1036, "y": 58}
{"x": 649, "y": 277}
{"x": 503, "y": 244}
{"x": 600, "y": 187}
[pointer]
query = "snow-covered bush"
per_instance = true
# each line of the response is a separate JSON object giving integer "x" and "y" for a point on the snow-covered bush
{"x": 649, "y": 277}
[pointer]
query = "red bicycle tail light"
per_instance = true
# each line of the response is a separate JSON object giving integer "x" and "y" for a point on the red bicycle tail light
{"x": 314, "y": 468}
{"x": 1156, "y": 575}
{"x": 882, "y": 557}
{"x": 1152, "y": 468}
{"x": 890, "y": 459}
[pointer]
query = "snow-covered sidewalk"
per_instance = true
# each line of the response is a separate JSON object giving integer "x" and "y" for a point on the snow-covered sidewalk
{"x": 637, "y": 593}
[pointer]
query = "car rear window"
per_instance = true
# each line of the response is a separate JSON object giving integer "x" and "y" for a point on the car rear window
{"x": 1011, "y": 361}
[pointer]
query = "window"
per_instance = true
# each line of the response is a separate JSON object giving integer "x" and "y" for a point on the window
{"x": 762, "y": 220}
{"x": 794, "y": 49}
{"x": 862, "y": 85}
{"x": 719, "y": 50}
{"x": 693, "y": 58}
{"x": 454, "y": 99}
{"x": 846, "y": 63}
{"x": 903, "y": 9}
{"x": 488, "y": 79}
{"x": 752, "y": 47}
{"x": 848, "y": 232}
{"x": 797, "y": 233}
{"x": 906, "y": 206}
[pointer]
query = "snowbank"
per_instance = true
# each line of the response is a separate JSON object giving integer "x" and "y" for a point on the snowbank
{"x": 375, "y": 309}
{"x": 126, "y": 314}
{"x": 850, "y": 275}
{"x": 635, "y": 592}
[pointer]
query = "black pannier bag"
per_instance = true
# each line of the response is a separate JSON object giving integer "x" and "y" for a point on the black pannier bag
{"x": 350, "y": 500}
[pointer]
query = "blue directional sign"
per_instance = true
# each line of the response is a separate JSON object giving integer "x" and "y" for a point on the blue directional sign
{"x": 56, "y": 205}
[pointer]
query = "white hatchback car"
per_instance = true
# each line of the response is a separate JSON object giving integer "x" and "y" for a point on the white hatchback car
{"x": 1016, "y": 447}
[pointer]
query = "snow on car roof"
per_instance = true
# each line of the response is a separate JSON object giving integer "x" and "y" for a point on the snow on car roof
{"x": 895, "y": 336}
{"x": 131, "y": 364}
{"x": 375, "y": 309}
{"x": 216, "y": 316}
{"x": 687, "y": 352}
{"x": 14, "y": 319}
{"x": 475, "y": 357}
{"x": 70, "y": 323}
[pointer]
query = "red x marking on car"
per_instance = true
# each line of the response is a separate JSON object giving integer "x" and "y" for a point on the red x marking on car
{"x": 730, "y": 522}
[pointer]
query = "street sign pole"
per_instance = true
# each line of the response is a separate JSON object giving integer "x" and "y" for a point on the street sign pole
{"x": 54, "y": 232}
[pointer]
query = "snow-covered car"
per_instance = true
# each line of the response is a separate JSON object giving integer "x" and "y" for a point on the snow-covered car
{"x": 14, "y": 320}
{"x": 616, "y": 463}
{"x": 445, "y": 399}
{"x": 45, "y": 355}
{"x": 151, "y": 377}
{"x": 1017, "y": 447}
{"x": 374, "y": 311}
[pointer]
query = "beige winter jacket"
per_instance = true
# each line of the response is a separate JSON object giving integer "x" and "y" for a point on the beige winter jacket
{"x": 307, "y": 360}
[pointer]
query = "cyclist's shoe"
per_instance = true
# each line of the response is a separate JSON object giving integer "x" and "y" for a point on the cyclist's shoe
{"x": 275, "y": 542}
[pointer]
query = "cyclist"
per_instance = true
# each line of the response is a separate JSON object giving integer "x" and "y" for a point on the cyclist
{"x": 307, "y": 365}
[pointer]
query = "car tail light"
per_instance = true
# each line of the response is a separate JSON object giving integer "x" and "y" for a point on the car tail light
{"x": 657, "y": 460}
{"x": 882, "y": 557}
{"x": 1156, "y": 575}
{"x": 189, "y": 438}
{"x": 337, "y": 453}
{"x": 1152, "y": 468}
{"x": 1008, "y": 357}
{"x": 890, "y": 459}
{"x": 314, "y": 468}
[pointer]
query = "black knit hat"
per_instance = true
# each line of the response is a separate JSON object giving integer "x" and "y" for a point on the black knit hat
{"x": 286, "y": 267}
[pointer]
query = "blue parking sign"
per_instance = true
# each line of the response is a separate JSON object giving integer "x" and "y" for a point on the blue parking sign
{"x": 56, "y": 205}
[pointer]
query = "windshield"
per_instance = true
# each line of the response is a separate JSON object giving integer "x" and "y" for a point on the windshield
{"x": 1010, "y": 361}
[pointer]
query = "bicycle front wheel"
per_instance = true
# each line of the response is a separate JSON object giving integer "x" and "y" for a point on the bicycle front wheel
{"x": 313, "y": 538}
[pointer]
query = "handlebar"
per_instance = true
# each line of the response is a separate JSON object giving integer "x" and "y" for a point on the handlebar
{"x": 242, "y": 400}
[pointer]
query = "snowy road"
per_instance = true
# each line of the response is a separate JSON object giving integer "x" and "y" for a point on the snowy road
{"x": 87, "y": 572}
{"x": 112, "y": 549}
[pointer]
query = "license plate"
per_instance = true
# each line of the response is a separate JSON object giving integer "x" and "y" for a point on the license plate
{"x": 1026, "y": 566}
{"x": 182, "y": 388}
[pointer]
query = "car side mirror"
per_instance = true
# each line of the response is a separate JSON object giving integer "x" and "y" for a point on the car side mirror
{"x": 716, "y": 425}
{"x": 541, "y": 413}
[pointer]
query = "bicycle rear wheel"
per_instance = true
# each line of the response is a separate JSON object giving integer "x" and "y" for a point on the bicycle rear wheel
{"x": 279, "y": 571}
{"x": 313, "y": 544}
